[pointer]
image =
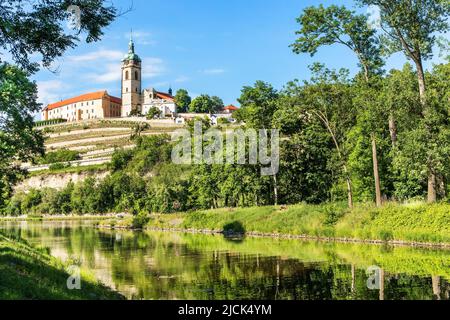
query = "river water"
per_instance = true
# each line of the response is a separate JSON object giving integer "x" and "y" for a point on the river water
{"x": 163, "y": 265}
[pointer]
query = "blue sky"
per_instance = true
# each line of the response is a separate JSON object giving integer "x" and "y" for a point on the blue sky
{"x": 214, "y": 47}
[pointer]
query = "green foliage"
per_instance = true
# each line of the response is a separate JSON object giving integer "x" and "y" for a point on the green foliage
{"x": 258, "y": 104}
{"x": 62, "y": 155}
{"x": 337, "y": 25}
{"x": 183, "y": 100}
{"x": 139, "y": 221}
{"x": 18, "y": 140}
{"x": 49, "y": 123}
{"x": 40, "y": 29}
{"x": 411, "y": 25}
{"x": 153, "y": 113}
{"x": 32, "y": 273}
{"x": 206, "y": 104}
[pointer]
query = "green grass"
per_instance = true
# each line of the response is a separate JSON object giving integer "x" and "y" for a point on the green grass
{"x": 72, "y": 169}
{"x": 412, "y": 223}
{"x": 31, "y": 273}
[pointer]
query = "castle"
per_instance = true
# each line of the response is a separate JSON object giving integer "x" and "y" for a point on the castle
{"x": 101, "y": 105}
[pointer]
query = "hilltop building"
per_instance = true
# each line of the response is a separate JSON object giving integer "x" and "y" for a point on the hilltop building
{"x": 94, "y": 105}
{"x": 100, "y": 105}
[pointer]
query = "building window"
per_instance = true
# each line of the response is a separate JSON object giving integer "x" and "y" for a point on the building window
{"x": 136, "y": 75}
{"x": 127, "y": 89}
{"x": 127, "y": 75}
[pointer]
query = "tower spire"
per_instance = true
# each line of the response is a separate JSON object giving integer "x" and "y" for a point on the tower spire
{"x": 131, "y": 43}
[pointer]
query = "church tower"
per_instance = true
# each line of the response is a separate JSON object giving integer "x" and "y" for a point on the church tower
{"x": 131, "y": 81}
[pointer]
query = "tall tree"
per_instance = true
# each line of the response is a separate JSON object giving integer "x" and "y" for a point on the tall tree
{"x": 206, "y": 104}
{"x": 258, "y": 104}
{"x": 27, "y": 29}
{"x": 411, "y": 26}
{"x": 337, "y": 25}
{"x": 39, "y": 27}
{"x": 183, "y": 100}
{"x": 18, "y": 140}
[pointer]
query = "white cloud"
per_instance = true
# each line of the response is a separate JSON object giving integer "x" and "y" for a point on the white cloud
{"x": 102, "y": 54}
{"x": 112, "y": 73}
{"x": 213, "y": 71}
{"x": 152, "y": 67}
{"x": 50, "y": 91}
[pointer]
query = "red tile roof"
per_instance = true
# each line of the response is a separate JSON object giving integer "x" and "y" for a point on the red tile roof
{"x": 84, "y": 97}
{"x": 165, "y": 96}
{"x": 231, "y": 108}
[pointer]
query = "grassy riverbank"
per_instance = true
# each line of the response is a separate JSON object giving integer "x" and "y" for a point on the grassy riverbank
{"x": 31, "y": 273}
{"x": 409, "y": 222}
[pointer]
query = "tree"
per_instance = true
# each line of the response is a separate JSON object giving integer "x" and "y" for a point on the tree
{"x": 183, "y": 100}
{"x": 337, "y": 25}
{"x": 39, "y": 27}
{"x": 153, "y": 113}
{"x": 258, "y": 104}
{"x": 328, "y": 97}
{"x": 206, "y": 104}
{"x": 411, "y": 26}
{"x": 26, "y": 30}
{"x": 217, "y": 103}
{"x": 18, "y": 140}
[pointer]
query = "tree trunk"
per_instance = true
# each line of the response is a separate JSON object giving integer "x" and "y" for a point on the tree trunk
{"x": 436, "y": 282}
{"x": 431, "y": 172}
{"x": 381, "y": 284}
{"x": 421, "y": 80}
{"x": 431, "y": 186}
{"x": 275, "y": 189}
{"x": 375, "y": 172}
{"x": 349, "y": 188}
{"x": 393, "y": 130}
{"x": 353, "y": 286}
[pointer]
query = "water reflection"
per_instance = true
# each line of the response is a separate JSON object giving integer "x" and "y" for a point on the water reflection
{"x": 154, "y": 265}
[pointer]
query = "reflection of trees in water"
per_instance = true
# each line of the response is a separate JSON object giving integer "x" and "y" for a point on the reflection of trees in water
{"x": 168, "y": 266}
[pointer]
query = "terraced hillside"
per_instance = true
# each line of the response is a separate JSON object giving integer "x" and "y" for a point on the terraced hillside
{"x": 95, "y": 140}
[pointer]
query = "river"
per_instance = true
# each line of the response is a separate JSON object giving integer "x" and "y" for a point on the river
{"x": 163, "y": 265}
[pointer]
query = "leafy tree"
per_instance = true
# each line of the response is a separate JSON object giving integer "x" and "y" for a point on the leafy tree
{"x": 18, "y": 140}
{"x": 337, "y": 25}
{"x": 217, "y": 103}
{"x": 411, "y": 26}
{"x": 27, "y": 29}
{"x": 153, "y": 113}
{"x": 183, "y": 100}
{"x": 258, "y": 104}
{"x": 328, "y": 97}
{"x": 39, "y": 27}
{"x": 206, "y": 104}
{"x": 326, "y": 26}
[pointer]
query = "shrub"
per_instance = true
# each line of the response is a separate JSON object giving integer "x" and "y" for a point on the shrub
{"x": 140, "y": 220}
{"x": 62, "y": 155}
